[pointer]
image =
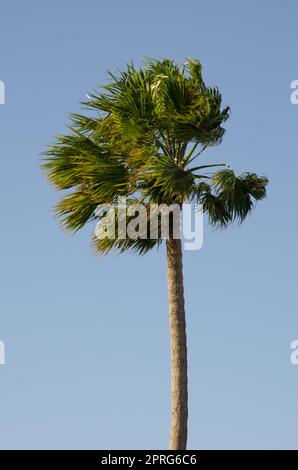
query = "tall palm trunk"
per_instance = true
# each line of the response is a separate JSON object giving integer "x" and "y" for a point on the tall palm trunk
{"x": 178, "y": 436}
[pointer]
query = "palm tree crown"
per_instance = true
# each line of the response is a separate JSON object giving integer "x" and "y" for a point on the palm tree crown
{"x": 147, "y": 127}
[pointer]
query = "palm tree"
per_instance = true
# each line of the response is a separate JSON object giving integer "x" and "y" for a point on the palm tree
{"x": 139, "y": 139}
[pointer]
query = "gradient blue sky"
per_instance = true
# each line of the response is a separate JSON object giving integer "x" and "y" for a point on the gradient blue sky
{"x": 86, "y": 338}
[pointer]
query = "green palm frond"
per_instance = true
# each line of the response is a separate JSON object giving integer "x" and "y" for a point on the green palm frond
{"x": 139, "y": 246}
{"x": 194, "y": 68}
{"x": 75, "y": 210}
{"x": 218, "y": 215}
{"x": 166, "y": 181}
{"x": 238, "y": 193}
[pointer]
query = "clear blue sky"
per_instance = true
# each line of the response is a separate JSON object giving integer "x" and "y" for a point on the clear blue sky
{"x": 86, "y": 338}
